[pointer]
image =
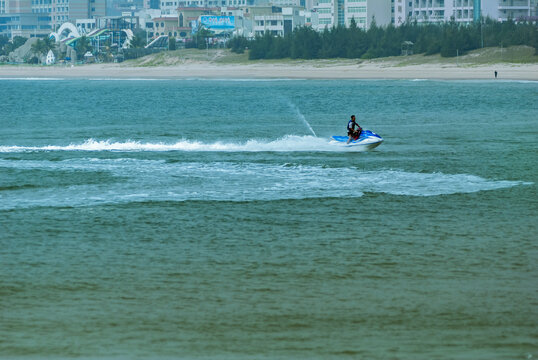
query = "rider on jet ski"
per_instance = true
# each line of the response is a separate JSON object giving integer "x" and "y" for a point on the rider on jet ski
{"x": 353, "y": 133}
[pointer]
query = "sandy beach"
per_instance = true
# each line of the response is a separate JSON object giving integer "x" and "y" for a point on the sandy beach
{"x": 302, "y": 70}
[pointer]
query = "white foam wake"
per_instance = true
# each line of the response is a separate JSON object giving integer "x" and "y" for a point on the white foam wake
{"x": 159, "y": 180}
{"x": 287, "y": 143}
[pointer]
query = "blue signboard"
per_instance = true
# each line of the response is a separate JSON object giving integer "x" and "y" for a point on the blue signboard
{"x": 212, "y": 22}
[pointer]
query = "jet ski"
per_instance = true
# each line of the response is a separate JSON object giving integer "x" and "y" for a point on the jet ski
{"x": 366, "y": 140}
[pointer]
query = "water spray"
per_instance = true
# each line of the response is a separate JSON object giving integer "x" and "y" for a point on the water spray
{"x": 301, "y": 116}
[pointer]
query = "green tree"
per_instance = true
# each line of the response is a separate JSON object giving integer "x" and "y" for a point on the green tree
{"x": 171, "y": 43}
{"x": 4, "y": 40}
{"x": 357, "y": 43}
{"x": 259, "y": 47}
{"x": 42, "y": 46}
{"x": 201, "y": 38}
{"x": 305, "y": 43}
{"x": 449, "y": 44}
{"x": 448, "y": 39}
{"x": 139, "y": 40}
{"x": 17, "y": 42}
{"x": 237, "y": 44}
{"x": 82, "y": 46}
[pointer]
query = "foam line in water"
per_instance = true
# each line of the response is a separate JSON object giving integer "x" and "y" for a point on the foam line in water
{"x": 159, "y": 180}
{"x": 285, "y": 144}
{"x": 32, "y": 78}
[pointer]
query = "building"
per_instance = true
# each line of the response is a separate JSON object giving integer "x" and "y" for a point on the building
{"x": 168, "y": 26}
{"x": 59, "y": 11}
{"x": 436, "y": 11}
{"x": 278, "y": 22}
{"x": 209, "y": 3}
{"x": 169, "y": 7}
{"x": 26, "y": 25}
{"x": 364, "y": 12}
{"x": 84, "y": 9}
{"x": 462, "y": 11}
{"x": 145, "y": 16}
{"x": 86, "y": 26}
{"x": 15, "y": 7}
{"x": 326, "y": 10}
{"x": 402, "y": 11}
{"x": 514, "y": 9}
{"x": 188, "y": 15}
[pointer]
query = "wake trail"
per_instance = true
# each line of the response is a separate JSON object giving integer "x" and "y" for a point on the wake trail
{"x": 288, "y": 143}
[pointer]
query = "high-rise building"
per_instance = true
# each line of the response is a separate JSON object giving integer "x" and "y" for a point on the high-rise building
{"x": 402, "y": 10}
{"x": 364, "y": 12}
{"x": 514, "y": 9}
{"x": 24, "y": 24}
{"x": 15, "y": 6}
{"x": 59, "y": 11}
{"x": 462, "y": 11}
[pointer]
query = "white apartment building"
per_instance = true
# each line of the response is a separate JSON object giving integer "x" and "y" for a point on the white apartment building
{"x": 515, "y": 9}
{"x": 279, "y": 24}
{"x": 436, "y": 11}
{"x": 327, "y": 13}
{"x": 462, "y": 11}
{"x": 340, "y": 12}
{"x": 364, "y": 12}
{"x": 85, "y": 26}
{"x": 402, "y": 10}
{"x": 169, "y": 7}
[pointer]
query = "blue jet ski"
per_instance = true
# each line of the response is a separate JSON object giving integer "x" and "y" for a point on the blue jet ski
{"x": 367, "y": 140}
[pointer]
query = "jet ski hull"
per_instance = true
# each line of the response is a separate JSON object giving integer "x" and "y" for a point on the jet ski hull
{"x": 368, "y": 140}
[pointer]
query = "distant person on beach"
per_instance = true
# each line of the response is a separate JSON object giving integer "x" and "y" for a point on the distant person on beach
{"x": 353, "y": 129}
{"x": 495, "y": 74}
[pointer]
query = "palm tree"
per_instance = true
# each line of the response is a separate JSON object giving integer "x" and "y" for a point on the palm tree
{"x": 42, "y": 46}
{"x": 82, "y": 46}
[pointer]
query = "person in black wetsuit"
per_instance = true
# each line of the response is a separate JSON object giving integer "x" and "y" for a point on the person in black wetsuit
{"x": 353, "y": 129}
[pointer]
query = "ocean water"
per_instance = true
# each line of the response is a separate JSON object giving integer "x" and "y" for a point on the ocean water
{"x": 213, "y": 219}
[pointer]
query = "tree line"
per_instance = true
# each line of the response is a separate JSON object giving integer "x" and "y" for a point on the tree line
{"x": 447, "y": 39}
{"x": 7, "y": 45}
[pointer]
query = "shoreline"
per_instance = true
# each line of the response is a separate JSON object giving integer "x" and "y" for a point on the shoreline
{"x": 306, "y": 70}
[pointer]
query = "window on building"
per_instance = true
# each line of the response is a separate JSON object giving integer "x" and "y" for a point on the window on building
{"x": 357, "y": 9}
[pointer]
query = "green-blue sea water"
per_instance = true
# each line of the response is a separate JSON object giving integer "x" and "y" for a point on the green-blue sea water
{"x": 214, "y": 219}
